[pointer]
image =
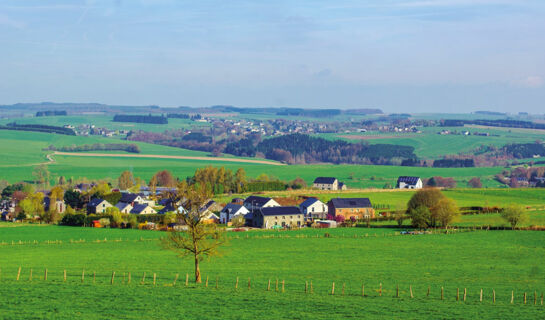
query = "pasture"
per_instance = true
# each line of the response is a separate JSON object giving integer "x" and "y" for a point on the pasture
{"x": 490, "y": 260}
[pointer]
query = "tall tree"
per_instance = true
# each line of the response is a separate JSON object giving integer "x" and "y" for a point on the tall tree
{"x": 514, "y": 214}
{"x": 240, "y": 180}
{"x": 125, "y": 180}
{"x": 200, "y": 239}
{"x": 42, "y": 175}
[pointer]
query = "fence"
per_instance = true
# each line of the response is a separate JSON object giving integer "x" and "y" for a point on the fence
{"x": 279, "y": 285}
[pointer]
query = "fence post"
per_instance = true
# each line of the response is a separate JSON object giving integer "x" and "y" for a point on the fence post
{"x": 465, "y": 294}
{"x": 542, "y": 298}
{"x": 206, "y": 284}
{"x": 428, "y": 294}
{"x": 18, "y": 273}
{"x": 411, "y": 290}
{"x": 397, "y": 291}
{"x": 457, "y": 294}
{"x": 144, "y": 277}
{"x": 306, "y": 286}
{"x": 524, "y": 297}
{"x": 333, "y": 288}
{"x": 30, "y": 276}
{"x": 236, "y": 284}
{"x": 269, "y": 285}
{"x": 129, "y": 280}
{"x": 249, "y": 284}
{"x": 512, "y": 296}
{"x": 343, "y": 289}
{"x": 481, "y": 296}
{"x": 82, "y": 275}
{"x": 311, "y": 290}
{"x": 186, "y": 279}
{"x": 217, "y": 281}
{"x": 493, "y": 296}
{"x": 45, "y": 274}
{"x": 175, "y": 279}
{"x": 363, "y": 290}
{"x": 113, "y": 276}
{"x": 282, "y": 286}
{"x": 276, "y": 284}
{"x": 535, "y": 297}
{"x": 441, "y": 293}
{"x": 154, "y": 278}
{"x": 64, "y": 275}
{"x": 380, "y": 290}
{"x": 95, "y": 276}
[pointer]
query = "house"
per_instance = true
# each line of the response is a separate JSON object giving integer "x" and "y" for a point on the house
{"x": 84, "y": 187}
{"x": 131, "y": 198}
{"x": 313, "y": 208}
{"x": 232, "y": 210}
{"x": 342, "y": 186}
{"x": 211, "y": 206}
{"x": 142, "y": 209}
{"x": 97, "y": 205}
{"x": 326, "y": 183}
{"x": 276, "y": 217}
{"x": 359, "y": 208}
{"x": 60, "y": 206}
{"x": 255, "y": 203}
{"x": 124, "y": 207}
{"x": 405, "y": 182}
{"x": 210, "y": 218}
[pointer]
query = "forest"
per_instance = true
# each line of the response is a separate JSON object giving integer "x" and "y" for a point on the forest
{"x": 49, "y": 113}
{"x": 132, "y": 148}
{"x": 38, "y": 128}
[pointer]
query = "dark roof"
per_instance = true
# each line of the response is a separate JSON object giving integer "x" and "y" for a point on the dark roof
{"x": 325, "y": 180}
{"x": 95, "y": 202}
{"x": 280, "y": 211}
{"x": 231, "y": 207}
{"x": 121, "y": 205}
{"x": 408, "y": 180}
{"x": 128, "y": 197}
{"x": 139, "y": 208}
{"x": 351, "y": 202}
{"x": 209, "y": 204}
{"x": 257, "y": 200}
{"x": 168, "y": 208}
{"x": 307, "y": 203}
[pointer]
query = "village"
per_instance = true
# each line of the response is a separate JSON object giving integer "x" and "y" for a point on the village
{"x": 152, "y": 209}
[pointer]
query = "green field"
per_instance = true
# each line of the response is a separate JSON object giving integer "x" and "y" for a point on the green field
{"x": 488, "y": 260}
{"x": 430, "y": 145}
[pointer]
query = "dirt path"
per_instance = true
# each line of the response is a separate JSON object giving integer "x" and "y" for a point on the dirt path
{"x": 156, "y": 156}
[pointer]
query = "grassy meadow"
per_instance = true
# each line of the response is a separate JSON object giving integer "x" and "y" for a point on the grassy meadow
{"x": 491, "y": 260}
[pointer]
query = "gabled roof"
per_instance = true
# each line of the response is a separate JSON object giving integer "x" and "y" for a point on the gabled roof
{"x": 95, "y": 202}
{"x": 128, "y": 197}
{"x": 122, "y": 205}
{"x": 280, "y": 211}
{"x": 257, "y": 201}
{"x": 351, "y": 202}
{"x": 138, "y": 208}
{"x": 325, "y": 180}
{"x": 233, "y": 208}
{"x": 307, "y": 203}
{"x": 408, "y": 180}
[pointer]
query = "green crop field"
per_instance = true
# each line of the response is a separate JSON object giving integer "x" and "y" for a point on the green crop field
{"x": 430, "y": 145}
{"x": 490, "y": 260}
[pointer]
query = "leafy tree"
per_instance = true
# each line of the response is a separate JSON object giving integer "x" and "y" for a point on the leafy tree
{"x": 240, "y": 180}
{"x": 9, "y": 190}
{"x": 475, "y": 183}
{"x": 125, "y": 180}
{"x": 200, "y": 239}
{"x": 514, "y": 214}
{"x": 445, "y": 212}
{"x": 62, "y": 181}
{"x": 41, "y": 174}
{"x": 73, "y": 199}
{"x": 57, "y": 193}
{"x": 112, "y": 197}
{"x": 420, "y": 216}
{"x": 298, "y": 183}
{"x": 238, "y": 221}
{"x": 165, "y": 179}
{"x": 428, "y": 198}
{"x": 400, "y": 214}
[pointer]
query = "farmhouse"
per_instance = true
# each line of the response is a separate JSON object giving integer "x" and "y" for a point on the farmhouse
{"x": 255, "y": 202}
{"x": 313, "y": 208}
{"x": 59, "y": 205}
{"x": 97, "y": 206}
{"x": 124, "y": 207}
{"x": 131, "y": 198}
{"x": 326, "y": 183}
{"x": 276, "y": 217}
{"x": 232, "y": 210}
{"x": 405, "y": 182}
{"x": 142, "y": 209}
{"x": 359, "y": 208}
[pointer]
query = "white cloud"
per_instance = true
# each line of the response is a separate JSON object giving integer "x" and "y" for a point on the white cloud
{"x": 530, "y": 82}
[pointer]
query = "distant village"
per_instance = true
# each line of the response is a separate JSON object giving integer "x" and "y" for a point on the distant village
{"x": 253, "y": 211}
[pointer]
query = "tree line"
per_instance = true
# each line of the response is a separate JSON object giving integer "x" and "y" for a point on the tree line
{"x": 38, "y": 128}
{"x": 49, "y": 113}
{"x": 131, "y": 147}
{"x": 140, "y": 118}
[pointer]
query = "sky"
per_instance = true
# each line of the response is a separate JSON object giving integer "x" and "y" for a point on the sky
{"x": 397, "y": 55}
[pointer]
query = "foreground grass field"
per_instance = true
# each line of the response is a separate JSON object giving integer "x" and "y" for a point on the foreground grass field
{"x": 493, "y": 260}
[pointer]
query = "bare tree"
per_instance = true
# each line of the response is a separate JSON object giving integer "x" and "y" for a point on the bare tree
{"x": 198, "y": 239}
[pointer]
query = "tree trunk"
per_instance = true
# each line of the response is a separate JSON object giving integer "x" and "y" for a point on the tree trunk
{"x": 197, "y": 270}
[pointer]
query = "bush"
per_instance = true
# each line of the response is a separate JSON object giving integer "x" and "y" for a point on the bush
{"x": 105, "y": 222}
{"x": 238, "y": 221}
{"x": 75, "y": 220}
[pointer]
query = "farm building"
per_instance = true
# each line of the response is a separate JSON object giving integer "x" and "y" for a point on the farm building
{"x": 97, "y": 206}
{"x": 313, "y": 208}
{"x": 232, "y": 210}
{"x": 405, "y": 182}
{"x": 276, "y": 217}
{"x": 124, "y": 207}
{"x": 255, "y": 202}
{"x": 326, "y": 183}
{"x": 359, "y": 208}
{"x": 130, "y": 198}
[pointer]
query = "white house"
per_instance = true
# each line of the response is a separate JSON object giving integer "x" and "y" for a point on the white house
{"x": 232, "y": 210}
{"x": 405, "y": 182}
{"x": 124, "y": 207}
{"x": 313, "y": 208}
{"x": 255, "y": 202}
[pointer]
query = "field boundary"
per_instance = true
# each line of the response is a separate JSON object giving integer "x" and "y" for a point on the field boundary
{"x": 158, "y": 156}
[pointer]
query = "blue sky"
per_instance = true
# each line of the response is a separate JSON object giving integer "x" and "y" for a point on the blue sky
{"x": 398, "y": 55}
